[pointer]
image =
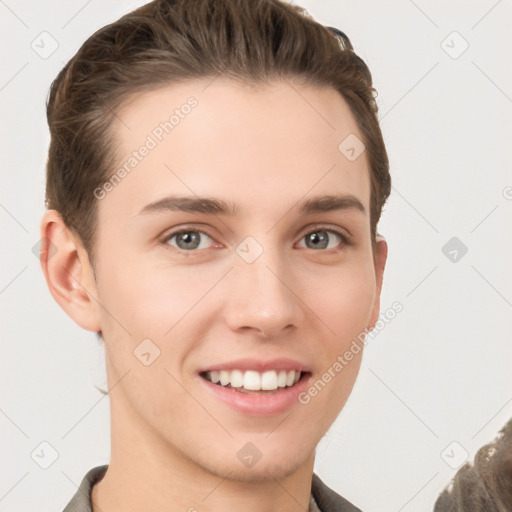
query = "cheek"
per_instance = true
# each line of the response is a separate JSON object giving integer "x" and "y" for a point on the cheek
{"x": 148, "y": 297}
{"x": 344, "y": 300}
{"x": 142, "y": 301}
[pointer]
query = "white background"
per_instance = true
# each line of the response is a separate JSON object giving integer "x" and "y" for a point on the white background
{"x": 438, "y": 373}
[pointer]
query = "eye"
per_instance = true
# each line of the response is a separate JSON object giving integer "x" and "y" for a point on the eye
{"x": 322, "y": 238}
{"x": 188, "y": 239}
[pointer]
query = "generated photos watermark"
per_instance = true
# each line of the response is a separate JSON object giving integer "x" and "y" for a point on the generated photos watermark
{"x": 360, "y": 341}
{"x": 152, "y": 140}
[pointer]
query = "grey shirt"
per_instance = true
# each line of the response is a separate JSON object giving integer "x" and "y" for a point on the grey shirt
{"x": 322, "y": 498}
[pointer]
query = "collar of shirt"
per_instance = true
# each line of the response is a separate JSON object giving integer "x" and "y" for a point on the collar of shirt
{"x": 322, "y": 499}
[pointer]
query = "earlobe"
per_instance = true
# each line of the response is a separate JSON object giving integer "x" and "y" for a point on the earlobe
{"x": 380, "y": 258}
{"x": 68, "y": 272}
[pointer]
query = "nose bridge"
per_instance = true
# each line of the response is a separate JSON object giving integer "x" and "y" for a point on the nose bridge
{"x": 259, "y": 289}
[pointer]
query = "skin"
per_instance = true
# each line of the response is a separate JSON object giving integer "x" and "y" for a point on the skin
{"x": 266, "y": 148}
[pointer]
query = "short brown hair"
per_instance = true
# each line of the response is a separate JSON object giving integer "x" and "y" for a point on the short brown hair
{"x": 485, "y": 486}
{"x": 170, "y": 41}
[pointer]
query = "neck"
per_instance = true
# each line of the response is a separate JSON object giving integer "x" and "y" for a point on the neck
{"x": 146, "y": 473}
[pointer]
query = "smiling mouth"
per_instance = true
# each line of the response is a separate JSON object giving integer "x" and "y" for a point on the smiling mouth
{"x": 253, "y": 382}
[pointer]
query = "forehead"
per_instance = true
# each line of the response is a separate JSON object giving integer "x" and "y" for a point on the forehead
{"x": 262, "y": 147}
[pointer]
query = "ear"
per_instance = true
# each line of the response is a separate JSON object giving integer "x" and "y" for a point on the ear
{"x": 68, "y": 272}
{"x": 379, "y": 258}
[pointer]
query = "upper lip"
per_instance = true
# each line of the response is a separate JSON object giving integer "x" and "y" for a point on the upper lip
{"x": 259, "y": 365}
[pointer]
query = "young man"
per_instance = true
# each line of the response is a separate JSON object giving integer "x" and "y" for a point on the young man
{"x": 215, "y": 177}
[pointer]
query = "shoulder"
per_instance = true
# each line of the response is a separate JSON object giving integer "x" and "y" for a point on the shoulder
{"x": 328, "y": 500}
{"x": 486, "y": 484}
{"x": 81, "y": 501}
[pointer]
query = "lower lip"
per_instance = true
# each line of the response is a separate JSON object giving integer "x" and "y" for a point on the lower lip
{"x": 267, "y": 404}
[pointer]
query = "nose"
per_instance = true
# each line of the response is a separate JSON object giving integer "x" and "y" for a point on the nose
{"x": 262, "y": 297}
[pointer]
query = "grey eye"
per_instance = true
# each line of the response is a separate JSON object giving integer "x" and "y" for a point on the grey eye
{"x": 188, "y": 240}
{"x": 320, "y": 239}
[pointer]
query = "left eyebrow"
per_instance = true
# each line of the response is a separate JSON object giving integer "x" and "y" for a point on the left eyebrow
{"x": 331, "y": 203}
{"x": 211, "y": 206}
{"x": 191, "y": 204}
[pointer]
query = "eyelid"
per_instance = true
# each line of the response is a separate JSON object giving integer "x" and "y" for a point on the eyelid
{"x": 346, "y": 237}
{"x": 186, "y": 229}
{"x": 343, "y": 234}
{"x": 327, "y": 227}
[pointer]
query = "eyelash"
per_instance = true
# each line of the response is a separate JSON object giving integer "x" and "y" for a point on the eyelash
{"x": 345, "y": 240}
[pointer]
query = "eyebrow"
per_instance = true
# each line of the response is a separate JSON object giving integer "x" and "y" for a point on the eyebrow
{"x": 212, "y": 206}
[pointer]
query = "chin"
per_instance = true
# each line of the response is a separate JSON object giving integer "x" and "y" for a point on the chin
{"x": 266, "y": 469}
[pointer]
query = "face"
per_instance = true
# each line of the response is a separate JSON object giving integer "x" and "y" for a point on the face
{"x": 222, "y": 269}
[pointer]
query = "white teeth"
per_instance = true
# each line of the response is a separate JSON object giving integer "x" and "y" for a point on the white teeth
{"x": 269, "y": 381}
{"x": 281, "y": 379}
{"x": 252, "y": 380}
{"x": 237, "y": 379}
{"x": 224, "y": 377}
